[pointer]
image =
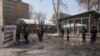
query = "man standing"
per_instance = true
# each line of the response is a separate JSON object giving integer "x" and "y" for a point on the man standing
{"x": 68, "y": 34}
{"x": 40, "y": 33}
{"x": 84, "y": 34}
{"x": 17, "y": 34}
{"x": 62, "y": 33}
{"x": 93, "y": 34}
{"x": 26, "y": 36}
{"x": 18, "y": 31}
{"x": 26, "y": 32}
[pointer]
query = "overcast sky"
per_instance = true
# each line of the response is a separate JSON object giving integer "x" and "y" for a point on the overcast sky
{"x": 46, "y": 6}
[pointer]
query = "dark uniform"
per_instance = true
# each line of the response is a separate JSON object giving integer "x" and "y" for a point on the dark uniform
{"x": 40, "y": 33}
{"x": 26, "y": 32}
{"x": 18, "y": 34}
{"x": 93, "y": 34}
{"x": 26, "y": 37}
{"x": 62, "y": 33}
{"x": 84, "y": 34}
{"x": 68, "y": 34}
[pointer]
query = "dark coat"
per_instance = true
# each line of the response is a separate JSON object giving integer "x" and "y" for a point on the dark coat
{"x": 68, "y": 31}
{"x": 40, "y": 32}
{"x": 62, "y": 31}
{"x": 84, "y": 31}
{"x": 93, "y": 31}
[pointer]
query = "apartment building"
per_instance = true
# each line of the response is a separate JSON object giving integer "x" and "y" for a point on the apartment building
{"x": 10, "y": 11}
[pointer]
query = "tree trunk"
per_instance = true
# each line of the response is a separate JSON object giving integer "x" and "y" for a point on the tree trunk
{"x": 56, "y": 10}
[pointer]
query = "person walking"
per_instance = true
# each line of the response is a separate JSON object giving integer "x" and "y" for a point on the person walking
{"x": 40, "y": 33}
{"x": 84, "y": 31}
{"x": 26, "y": 32}
{"x": 93, "y": 34}
{"x": 26, "y": 37}
{"x": 68, "y": 34}
{"x": 62, "y": 33}
{"x": 17, "y": 34}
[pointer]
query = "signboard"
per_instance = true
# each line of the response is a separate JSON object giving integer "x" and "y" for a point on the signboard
{"x": 7, "y": 35}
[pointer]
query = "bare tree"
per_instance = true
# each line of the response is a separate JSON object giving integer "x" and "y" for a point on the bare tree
{"x": 97, "y": 5}
{"x": 57, "y": 5}
{"x": 90, "y": 4}
{"x": 40, "y": 17}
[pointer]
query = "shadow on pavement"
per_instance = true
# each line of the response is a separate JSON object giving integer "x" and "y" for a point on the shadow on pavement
{"x": 23, "y": 45}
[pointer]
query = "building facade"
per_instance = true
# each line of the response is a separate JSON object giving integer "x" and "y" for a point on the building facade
{"x": 22, "y": 10}
{"x": 9, "y": 11}
{"x": 89, "y": 18}
{"x": 61, "y": 15}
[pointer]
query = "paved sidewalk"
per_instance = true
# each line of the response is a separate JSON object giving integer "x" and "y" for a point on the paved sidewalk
{"x": 52, "y": 47}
